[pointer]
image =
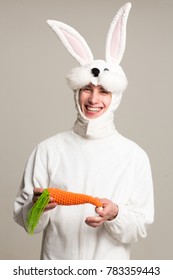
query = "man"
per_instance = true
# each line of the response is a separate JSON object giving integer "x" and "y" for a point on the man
{"x": 91, "y": 158}
{"x": 94, "y": 101}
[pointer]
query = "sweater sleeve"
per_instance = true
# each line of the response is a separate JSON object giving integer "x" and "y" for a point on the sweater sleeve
{"x": 35, "y": 176}
{"x": 137, "y": 213}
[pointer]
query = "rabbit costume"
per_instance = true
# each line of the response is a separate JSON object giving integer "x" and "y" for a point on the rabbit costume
{"x": 107, "y": 73}
{"x": 91, "y": 158}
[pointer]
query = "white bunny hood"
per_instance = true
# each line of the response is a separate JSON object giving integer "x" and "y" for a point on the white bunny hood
{"x": 100, "y": 127}
{"x": 110, "y": 76}
{"x": 106, "y": 73}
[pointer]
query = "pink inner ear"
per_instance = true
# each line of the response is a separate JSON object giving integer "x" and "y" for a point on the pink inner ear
{"x": 115, "y": 42}
{"x": 76, "y": 45}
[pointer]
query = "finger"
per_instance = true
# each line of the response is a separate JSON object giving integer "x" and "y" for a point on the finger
{"x": 104, "y": 201}
{"x": 93, "y": 219}
{"x": 50, "y": 206}
{"x": 38, "y": 191}
{"x": 94, "y": 224}
{"x": 100, "y": 211}
{"x": 36, "y": 197}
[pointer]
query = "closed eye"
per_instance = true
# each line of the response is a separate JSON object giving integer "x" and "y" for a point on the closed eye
{"x": 104, "y": 91}
{"x": 87, "y": 88}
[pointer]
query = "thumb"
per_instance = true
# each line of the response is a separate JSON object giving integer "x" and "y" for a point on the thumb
{"x": 100, "y": 211}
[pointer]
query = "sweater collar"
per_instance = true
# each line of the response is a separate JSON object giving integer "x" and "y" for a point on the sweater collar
{"x": 100, "y": 127}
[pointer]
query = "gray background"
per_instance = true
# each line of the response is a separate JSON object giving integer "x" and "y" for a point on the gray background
{"x": 36, "y": 103}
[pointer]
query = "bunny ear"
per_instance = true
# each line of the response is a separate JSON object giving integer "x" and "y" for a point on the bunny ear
{"x": 116, "y": 38}
{"x": 73, "y": 41}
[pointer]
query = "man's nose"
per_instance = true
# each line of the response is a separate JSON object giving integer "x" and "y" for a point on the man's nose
{"x": 94, "y": 97}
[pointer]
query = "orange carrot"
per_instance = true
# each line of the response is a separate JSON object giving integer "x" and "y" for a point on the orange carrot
{"x": 61, "y": 197}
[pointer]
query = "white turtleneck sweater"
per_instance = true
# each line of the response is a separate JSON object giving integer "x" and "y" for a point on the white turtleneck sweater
{"x": 92, "y": 158}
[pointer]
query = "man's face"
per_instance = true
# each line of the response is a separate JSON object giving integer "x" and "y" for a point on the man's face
{"x": 94, "y": 100}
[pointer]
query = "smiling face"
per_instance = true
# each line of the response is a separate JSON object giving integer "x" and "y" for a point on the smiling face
{"x": 94, "y": 100}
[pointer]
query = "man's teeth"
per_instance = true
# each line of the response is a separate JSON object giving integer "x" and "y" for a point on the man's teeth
{"x": 93, "y": 109}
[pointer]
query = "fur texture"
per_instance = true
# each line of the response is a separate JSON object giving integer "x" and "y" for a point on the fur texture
{"x": 108, "y": 72}
{"x": 111, "y": 77}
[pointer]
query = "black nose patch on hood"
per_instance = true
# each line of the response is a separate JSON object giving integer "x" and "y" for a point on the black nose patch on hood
{"x": 95, "y": 72}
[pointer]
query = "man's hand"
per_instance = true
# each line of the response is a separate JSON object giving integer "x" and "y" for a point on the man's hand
{"x": 37, "y": 192}
{"x": 108, "y": 213}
